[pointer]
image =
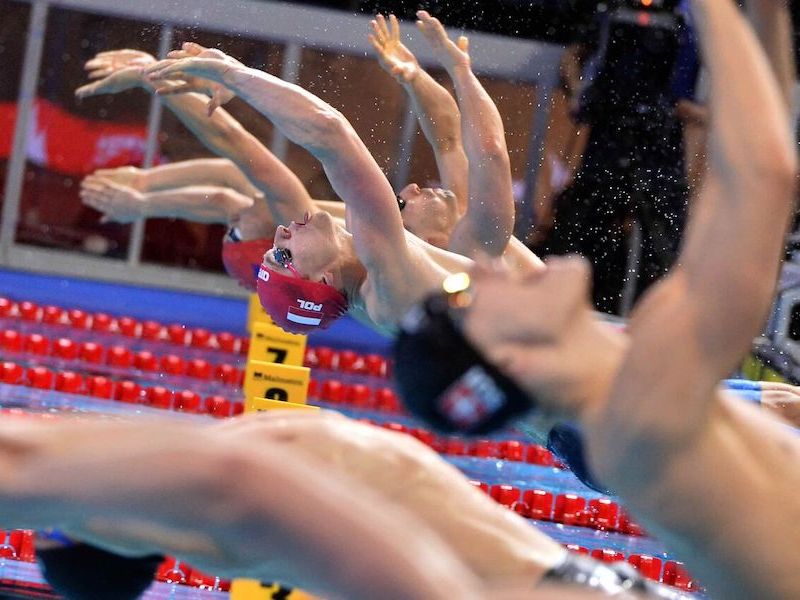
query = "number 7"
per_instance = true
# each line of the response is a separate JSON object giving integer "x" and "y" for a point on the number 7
{"x": 280, "y": 354}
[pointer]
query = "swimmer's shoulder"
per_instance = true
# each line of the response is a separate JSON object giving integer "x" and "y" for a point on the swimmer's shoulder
{"x": 520, "y": 258}
{"x": 451, "y": 262}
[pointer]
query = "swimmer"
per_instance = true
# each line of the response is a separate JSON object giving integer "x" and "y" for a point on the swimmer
{"x": 277, "y": 195}
{"x": 471, "y": 215}
{"x": 424, "y": 212}
{"x": 709, "y": 475}
{"x": 315, "y": 500}
{"x": 373, "y": 268}
{"x": 439, "y": 119}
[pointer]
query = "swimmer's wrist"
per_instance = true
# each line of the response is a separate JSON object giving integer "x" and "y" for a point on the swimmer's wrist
{"x": 233, "y": 76}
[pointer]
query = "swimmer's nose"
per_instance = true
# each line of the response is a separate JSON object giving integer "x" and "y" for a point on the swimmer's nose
{"x": 282, "y": 233}
{"x": 411, "y": 188}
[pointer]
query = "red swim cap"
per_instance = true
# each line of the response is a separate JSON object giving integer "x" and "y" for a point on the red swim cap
{"x": 299, "y": 305}
{"x": 242, "y": 260}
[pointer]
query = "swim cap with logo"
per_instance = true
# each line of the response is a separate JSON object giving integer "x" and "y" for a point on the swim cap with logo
{"x": 299, "y": 305}
{"x": 242, "y": 260}
{"x": 445, "y": 381}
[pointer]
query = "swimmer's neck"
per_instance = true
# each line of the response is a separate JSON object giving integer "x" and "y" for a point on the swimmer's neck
{"x": 598, "y": 350}
{"x": 352, "y": 271}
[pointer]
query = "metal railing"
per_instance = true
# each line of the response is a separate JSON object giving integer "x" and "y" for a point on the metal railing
{"x": 295, "y": 27}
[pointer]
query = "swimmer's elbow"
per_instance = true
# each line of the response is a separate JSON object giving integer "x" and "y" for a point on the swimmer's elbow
{"x": 493, "y": 150}
{"x": 779, "y": 176}
{"x": 229, "y": 507}
{"x": 328, "y": 130}
{"x": 772, "y": 174}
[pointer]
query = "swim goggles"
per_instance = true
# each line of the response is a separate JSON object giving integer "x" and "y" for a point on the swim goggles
{"x": 283, "y": 256}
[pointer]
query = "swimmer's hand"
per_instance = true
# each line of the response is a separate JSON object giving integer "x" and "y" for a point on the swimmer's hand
{"x": 449, "y": 54}
{"x": 393, "y": 56}
{"x": 195, "y": 68}
{"x": 118, "y": 203}
{"x": 114, "y": 71}
{"x": 218, "y": 93}
{"x": 105, "y": 63}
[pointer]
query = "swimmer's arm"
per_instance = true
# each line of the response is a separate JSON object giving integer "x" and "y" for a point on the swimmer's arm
{"x": 436, "y": 110}
{"x": 373, "y": 215}
{"x": 663, "y": 430}
{"x": 199, "y": 203}
{"x": 723, "y": 290}
{"x": 749, "y": 195}
{"x": 221, "y": 133}
{"x": 197, "y": 171}
{"x": 489, "y": 221}
{"x": 440, "y": 120}
{"x": 123, "y": 204}
{"x": 772, "y": 23}
{"x": 232, "y": 507}
{"x": 693, "y": 328}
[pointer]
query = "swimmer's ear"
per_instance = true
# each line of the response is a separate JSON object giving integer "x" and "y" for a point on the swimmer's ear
{"x": 327, "y": 278}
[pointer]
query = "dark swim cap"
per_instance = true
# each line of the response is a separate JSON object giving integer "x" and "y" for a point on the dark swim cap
{"x": 444, "y": 380}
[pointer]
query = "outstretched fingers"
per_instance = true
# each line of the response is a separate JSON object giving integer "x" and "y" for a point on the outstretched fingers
{"x": 376, "y": 44}
{"x": 187, "y": 50}
{"x": 88, "y": 90}
{"x": 449, "y": 53}
{"x": 381, "y": 30}
{"x": 431, "y": 28}
{"x": 394, "y": 28}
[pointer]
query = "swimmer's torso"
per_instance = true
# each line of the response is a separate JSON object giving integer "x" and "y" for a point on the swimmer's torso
{"x": 385, "y": 298}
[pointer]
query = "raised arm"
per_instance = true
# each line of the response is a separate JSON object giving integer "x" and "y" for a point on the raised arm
{"x": 772, "y": 24}
{"x": 215, "y": 128}
{"x": 196, "y": 171}
{"x": 372, "y": 212}
{"x": 200, "y": 203}
{"x": 488, "y": 224}
{"x": 436, "y": 110}
{"x": 688, "y": 460}
{"x": 723, "y": 290}
{"x": 716, "y": 300}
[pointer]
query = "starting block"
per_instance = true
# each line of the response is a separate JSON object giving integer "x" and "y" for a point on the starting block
{"x": 256, "y": 313}
{"x": 270, "y": 343}
{"x": 252, "y": 589}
